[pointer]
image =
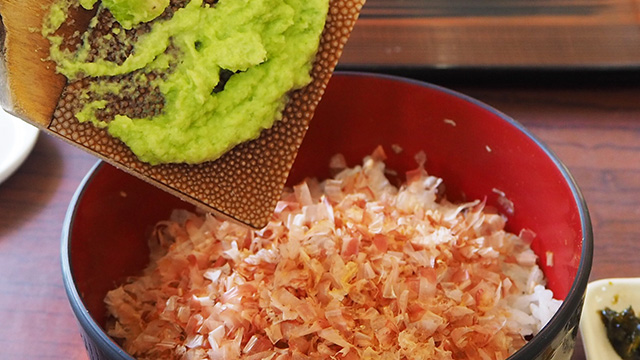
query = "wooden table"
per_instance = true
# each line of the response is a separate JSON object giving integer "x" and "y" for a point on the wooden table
{"x": 497, "y": 33}
{"x": 591, "y": 122}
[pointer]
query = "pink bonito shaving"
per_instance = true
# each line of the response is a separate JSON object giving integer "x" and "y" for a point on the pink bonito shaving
{"x": 348, "y": 268}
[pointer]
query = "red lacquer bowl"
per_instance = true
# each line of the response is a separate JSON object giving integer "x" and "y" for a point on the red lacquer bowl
{"x": 474, "y": 148}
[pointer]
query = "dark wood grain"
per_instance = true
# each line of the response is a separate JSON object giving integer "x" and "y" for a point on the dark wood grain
{"x": 36, "y": 318}
{"x": 594, "y": 129}
{"x": 496, "y": 34}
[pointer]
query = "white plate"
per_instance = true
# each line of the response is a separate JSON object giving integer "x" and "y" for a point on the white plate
{"x": 16, "y": 142}
{"x": 617, "y": 294}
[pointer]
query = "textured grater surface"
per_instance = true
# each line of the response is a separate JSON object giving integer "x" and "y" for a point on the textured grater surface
{"x": 245, "y": 183}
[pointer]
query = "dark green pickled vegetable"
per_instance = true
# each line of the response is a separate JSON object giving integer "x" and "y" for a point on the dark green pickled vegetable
{"x": 623, "y": 331}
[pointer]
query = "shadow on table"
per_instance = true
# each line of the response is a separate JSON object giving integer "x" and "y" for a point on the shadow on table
{"x": 499, "y": 78}
{"x": 32, "y": 187}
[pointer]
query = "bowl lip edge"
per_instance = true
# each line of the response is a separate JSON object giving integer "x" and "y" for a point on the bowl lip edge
{"x": 88, "y": 324}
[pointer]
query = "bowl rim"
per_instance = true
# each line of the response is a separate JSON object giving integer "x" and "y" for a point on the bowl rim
{"x": 573, "y": 300}
{"x": 88, "y": 324}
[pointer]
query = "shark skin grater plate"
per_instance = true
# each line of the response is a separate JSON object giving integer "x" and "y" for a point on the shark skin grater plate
{"x": 243, "y": 185}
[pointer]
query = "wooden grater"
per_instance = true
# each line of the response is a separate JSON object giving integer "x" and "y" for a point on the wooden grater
{"x": 244, "y": 184}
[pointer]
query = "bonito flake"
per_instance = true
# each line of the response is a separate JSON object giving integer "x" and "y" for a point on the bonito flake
{"x": 349, "y": 268}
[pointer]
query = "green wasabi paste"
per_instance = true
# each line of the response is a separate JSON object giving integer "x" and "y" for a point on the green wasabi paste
{"x": 131, "y": 12}
{"x": 257, "y": 51}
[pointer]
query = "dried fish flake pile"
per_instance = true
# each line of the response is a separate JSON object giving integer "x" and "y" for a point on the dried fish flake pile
{"x": 348, "y": 268}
